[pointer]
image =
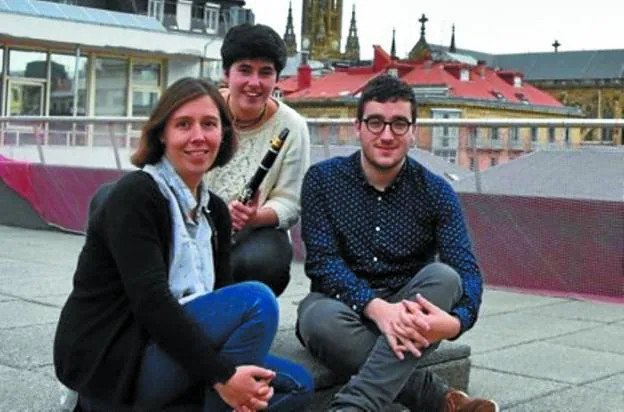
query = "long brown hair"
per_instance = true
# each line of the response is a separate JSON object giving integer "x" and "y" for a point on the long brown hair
{"x": 151, "y": 149}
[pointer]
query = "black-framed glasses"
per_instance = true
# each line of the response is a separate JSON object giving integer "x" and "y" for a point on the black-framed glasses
{"x": 377, "y": 125}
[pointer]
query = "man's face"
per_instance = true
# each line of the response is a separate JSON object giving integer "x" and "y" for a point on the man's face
{"x": 251, "y": 83}
{"x": 383, "y": 149}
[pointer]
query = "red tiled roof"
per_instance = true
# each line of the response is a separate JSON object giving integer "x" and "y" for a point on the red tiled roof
{"x": 485, "y": 86}
{"x": 337, "y": 84}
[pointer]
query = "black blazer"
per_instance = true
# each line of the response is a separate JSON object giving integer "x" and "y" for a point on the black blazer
{"x": 121, "y": 299}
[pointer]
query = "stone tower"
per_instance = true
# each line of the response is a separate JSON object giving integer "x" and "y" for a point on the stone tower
{"x": 321, "y": 28}
{"x": 352, "y": 48}
{"x": 289, "y": 36}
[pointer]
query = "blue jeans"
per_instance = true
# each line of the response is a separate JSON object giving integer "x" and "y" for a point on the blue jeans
{"x": 241, "y": 321}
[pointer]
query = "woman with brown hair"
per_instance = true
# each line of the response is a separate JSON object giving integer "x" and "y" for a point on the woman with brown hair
{"x": 153, "y": 316}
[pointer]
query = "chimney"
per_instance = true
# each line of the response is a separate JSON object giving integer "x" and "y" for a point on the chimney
{"x": 304, "y": 72}
{"x": 481, "y": 68}
{"x": 510, "y": 77}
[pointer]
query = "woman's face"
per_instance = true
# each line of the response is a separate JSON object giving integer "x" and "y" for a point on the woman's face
{"x": 192, "y": 137}
{"x": 251, "y": 83}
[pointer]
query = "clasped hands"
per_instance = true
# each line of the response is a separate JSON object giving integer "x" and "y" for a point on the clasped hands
{"x": 248, "y": 389}
{"x": 411, "y": 326}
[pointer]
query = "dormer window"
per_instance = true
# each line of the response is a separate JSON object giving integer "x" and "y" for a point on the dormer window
{"x": 522, "y": 98}
{"x": 517, "y": 81}
{"x": 393, "y": 71}
{"x": 498, "y": 95}
{"x": 211, "y": 17}
{"x": 277, "y": 93}
{"x": 464, "y": 75}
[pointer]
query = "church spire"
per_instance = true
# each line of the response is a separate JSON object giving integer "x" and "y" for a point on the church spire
{"x": 421, "y": 51}
{"x": 289, "y": 37}
{"x": 452, "y": 49}
{"x": 556, "y": 45}
{"x": 393, "y": 54}
{"x": 352, "y": 49}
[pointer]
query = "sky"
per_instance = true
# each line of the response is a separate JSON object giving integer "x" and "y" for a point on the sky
{"x": 490, "y": 26}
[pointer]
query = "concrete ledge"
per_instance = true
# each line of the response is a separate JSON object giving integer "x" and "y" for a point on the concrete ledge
{"x": 451, "y": 361}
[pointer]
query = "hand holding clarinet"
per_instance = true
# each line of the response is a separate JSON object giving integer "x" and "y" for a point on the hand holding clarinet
{"x": 245, "y": 208}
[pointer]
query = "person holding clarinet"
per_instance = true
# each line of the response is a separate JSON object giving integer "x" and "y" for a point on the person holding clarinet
{"x": 253, "y": 57}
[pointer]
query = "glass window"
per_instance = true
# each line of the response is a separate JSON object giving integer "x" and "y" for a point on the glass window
{"x": 29, "y": 64}
{"x": 551, "y": 134}
{"x": 111, "y": 79}
{"x": 143, "y": 102}
{"x": 25, "y": 98}
{"x": 494, "y": 133}
{"x": 514, "y": 134}
{"x": 534, "y": 134}
{"x": 62, "y": 85}
{"x": 146, "y": 74}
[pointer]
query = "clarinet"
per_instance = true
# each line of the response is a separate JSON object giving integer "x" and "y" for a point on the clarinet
{"x": 249, "y": 190}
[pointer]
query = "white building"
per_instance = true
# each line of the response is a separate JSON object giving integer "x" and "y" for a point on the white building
{"x": 78, "y": 57}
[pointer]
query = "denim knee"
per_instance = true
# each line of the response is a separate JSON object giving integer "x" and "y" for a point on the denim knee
{"x": 262, "y": 299}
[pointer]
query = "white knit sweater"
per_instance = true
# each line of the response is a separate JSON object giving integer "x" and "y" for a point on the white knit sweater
{"x": 281, "y": 187}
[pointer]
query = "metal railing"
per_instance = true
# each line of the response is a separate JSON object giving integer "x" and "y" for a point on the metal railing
{"x": 121, "y": 134}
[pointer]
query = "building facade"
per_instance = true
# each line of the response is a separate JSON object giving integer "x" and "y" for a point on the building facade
{"x": 590, "y": 80}
{"x": 91, "y": 59}
{"x": 447, "y": 89}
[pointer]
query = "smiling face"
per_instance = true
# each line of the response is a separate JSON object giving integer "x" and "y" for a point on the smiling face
{"x": 384, "y": 153}
{"x": 251, "y": 83}
{"x": 192, "y": 137}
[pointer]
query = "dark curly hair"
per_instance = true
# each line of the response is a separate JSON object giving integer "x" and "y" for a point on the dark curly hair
{"x": 386, "y": 88}
{"x": 151, "y": 149}
{"x": 247, "y": 41}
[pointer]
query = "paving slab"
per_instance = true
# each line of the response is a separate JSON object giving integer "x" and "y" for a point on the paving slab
{"x": 582, "y": 310}
{"x": 573, "y": 400}
{"x": 497, "y": 301}
{"x": 27, "y": 347}
{"x": 613, "y": 383}
{"x": 482, "y": 339}
{"x": 299, "y": 283}
{"x": 606, "y": 339}
{"x": 532, "y": 327}
{"x": 6, "y": 298}
{"x": 288, "y": 311}
{"x": 35, "y": 286}
{"x": 22, "y": 390}
{"x": 40, "y": 246}
{"x": 19, "y": 313}
{"x": 54, "y": 300}
{"x": 552, "y": 362}
{"x": 503, "y": 387}
{"x": 14, "y": 268}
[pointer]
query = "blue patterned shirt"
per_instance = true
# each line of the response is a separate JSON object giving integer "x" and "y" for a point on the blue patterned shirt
{"x": 358, "y": 238}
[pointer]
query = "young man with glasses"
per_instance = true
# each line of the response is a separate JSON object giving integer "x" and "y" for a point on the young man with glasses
{"x": 372, "y": 224}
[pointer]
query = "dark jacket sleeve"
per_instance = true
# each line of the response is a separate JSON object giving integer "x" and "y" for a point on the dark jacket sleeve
{"x": 220, "y": 215}
{"x": 134, "y": 216}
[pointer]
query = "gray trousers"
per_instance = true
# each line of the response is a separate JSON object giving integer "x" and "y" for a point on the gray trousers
{"x": 352, "y": 345}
